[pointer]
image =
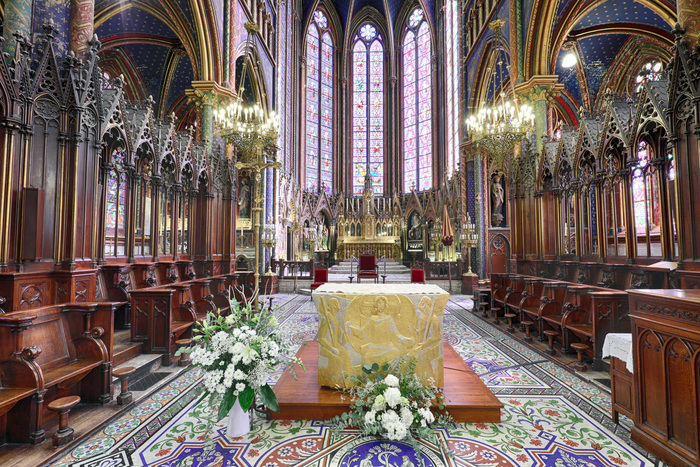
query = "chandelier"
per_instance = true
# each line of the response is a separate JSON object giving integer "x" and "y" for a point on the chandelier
{"x": 253, "y": 131}
{"x": 499, "y": 127}
{"x": 248, "y": 126}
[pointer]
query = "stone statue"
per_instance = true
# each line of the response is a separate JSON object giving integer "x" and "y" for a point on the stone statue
{"x": 496, "y": 202}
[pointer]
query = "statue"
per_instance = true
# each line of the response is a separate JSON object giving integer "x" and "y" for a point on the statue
{"x": 414, "y": 232}
{"x": 244, "y": 199}
{"x": 324, "y": 238}
{"x": 496, "y": 202}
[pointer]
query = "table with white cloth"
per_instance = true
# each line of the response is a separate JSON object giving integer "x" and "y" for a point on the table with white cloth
{"x": 619, "y": 348}
{"x": 362, "y": 324}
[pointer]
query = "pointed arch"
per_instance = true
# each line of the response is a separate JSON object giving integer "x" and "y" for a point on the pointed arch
{"x": 320, "y": 108}
{"x": 368, "y": 119}
{"x": 416, "y": 91}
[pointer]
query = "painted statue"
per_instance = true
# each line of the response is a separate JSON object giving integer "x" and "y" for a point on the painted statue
{"x": 244, "y": 199}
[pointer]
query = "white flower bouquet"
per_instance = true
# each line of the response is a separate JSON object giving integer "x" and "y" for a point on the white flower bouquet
{"x": 237, "y": 352}
{"x": 394, "y": 403}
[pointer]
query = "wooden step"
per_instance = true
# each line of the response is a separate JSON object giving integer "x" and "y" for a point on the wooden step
{"x": 467, "y": 398}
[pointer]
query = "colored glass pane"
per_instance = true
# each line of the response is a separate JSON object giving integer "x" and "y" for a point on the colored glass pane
{"x": 452, "y": 110}
{"x": 368, "y": 32}
{"x": 319, "y": 105}
{"x": 416, "y": 17}
{"x": 320, "y": 19}
{"x": 651, "y": 71}
{"x": 368, "y": 110}
{"x": 417, "y": 105}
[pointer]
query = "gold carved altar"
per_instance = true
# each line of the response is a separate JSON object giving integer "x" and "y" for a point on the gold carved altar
{"x": 369, "y": 227}
{"x": 378, "y": 323}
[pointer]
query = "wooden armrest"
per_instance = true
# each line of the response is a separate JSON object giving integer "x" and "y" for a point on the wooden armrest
{"x": 575, "y": 315}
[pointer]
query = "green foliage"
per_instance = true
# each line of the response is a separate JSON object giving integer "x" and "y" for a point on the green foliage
{"x": 268, "y": 398}
{"x": 237, "y": 350}
{"x": 375, "y": 406}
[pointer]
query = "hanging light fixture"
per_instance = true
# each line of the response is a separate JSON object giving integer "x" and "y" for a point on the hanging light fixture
{"x": 503, "y": 124}
{"x": 249, "y": 126}
{"x": 253, "y": 131}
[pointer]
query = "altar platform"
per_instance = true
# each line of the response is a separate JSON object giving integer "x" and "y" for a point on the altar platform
{"x": 466, "y": 397}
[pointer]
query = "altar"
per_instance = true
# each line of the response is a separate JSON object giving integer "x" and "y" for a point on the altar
{"x": 378, "y": 323}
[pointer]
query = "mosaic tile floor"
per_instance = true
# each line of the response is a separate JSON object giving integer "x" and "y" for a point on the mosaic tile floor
{"x": 551, "y": 417}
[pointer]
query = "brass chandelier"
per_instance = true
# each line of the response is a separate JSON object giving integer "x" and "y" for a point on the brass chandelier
{"x": 499, "y": 127}
{"x": 254, "y": 132}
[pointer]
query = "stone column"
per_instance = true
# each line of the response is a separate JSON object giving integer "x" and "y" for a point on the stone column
{"x": 18, "y": 20}
{"x": 537, "y": 91}
{"x": 82, "y": 18}
{"x": 206, "y": 95}
{"x": 689, "y": 19}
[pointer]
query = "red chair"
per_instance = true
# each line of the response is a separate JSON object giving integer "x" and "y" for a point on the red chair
{"x": 417, "y": 276}
{"x": 367, "y": 269}
{"x": 320, "y": 278}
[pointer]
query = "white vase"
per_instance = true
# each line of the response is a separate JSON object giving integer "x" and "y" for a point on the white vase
{"x": 238, "y": 421}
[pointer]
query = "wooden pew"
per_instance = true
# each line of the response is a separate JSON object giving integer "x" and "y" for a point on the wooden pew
{"x": 531, "y": 300}
{"x": 56, "y": 351}
{"x": 593, "y": 314}
{"x": 167, "y": 272}
{"x": 589, "y": 273}
{"x": 566, "y": 271}
{"x": 219, "y": 293}
{"x": 499, "y": 288}
{"x": 157, "y": 322}
{"x": 551, "y": 309}
{"x": 161, "y": 315}
{"x": 144, "y": 275}
{"x": 514, "y": 294}
{"x": 114, "y": 282}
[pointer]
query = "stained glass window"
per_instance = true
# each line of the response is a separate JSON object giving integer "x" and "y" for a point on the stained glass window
{"x": 645, "y": 199}
{"x": 115, "y": 206}
{"x": 589, "y": 237}
{"x": 651, "y": 71}
{"x": 452, "y": 77}
{"x": 319, "y": 105}
{"x": 417, "y": 105}
{"x": 368, "y": 109}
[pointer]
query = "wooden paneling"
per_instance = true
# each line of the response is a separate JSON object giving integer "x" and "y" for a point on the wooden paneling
{"x": 666, "y": 343}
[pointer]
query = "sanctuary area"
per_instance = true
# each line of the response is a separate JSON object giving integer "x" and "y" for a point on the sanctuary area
{"x": 354, "y": 233}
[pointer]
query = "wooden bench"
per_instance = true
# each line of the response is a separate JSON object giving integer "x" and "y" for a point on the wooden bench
{"x": 551, "y": 309}
{"x": 514, "y": 294}
{"x": 595, "y": 314}
{"x": 162, "y": 315}
{"x": 499, "y": 288}
{"x": 531, "y": 300}
{"x": 114, "y": 282}
{"x": 56, "y": 351}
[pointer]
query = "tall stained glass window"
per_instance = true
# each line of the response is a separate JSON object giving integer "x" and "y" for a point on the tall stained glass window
{"x": 115, "y": 206}
{"x": 319, "y": 105}
{"x": 646, "y": 202}
{"x": 417, "y": 105}
{"x": 368, "y": 110}
{"x": 452, "y": 68}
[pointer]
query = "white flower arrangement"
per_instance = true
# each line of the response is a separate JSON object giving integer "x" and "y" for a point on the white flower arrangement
{"x": 237, "y": 352}
{"x": 394, "y": 403}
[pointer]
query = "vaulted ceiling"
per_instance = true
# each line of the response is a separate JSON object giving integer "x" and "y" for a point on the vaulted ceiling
{"x": 157, "y": 45}
{"x": 349, "y": 10}
{"x": 612, "y": 40}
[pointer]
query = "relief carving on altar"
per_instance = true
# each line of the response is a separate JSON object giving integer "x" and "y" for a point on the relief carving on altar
{"x": 379, "y": 329}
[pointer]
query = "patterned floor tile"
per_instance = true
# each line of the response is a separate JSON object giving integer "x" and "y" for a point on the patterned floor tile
{"x": 551, "y": 417}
